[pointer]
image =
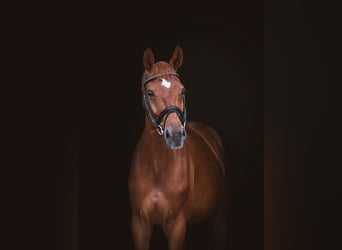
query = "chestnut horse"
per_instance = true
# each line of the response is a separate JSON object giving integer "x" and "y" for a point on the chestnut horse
{"x": 177, "y": 172}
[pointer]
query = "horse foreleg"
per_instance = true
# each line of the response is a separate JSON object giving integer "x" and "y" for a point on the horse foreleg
{"x": 141, "y": 231}
{"x": 175, "y": 228}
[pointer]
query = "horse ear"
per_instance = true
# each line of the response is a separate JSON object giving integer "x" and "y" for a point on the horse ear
{"x": 177, "y": 58}
{"x": 148, "y": 60}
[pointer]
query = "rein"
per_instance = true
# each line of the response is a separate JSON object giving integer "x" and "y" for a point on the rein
{"x": 156, "y": 121}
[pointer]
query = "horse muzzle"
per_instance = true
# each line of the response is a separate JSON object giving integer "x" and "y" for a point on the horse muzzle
{"x": 175, "y": 136}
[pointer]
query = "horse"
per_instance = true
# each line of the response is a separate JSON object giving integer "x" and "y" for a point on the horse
{"x": 177, "y": 173}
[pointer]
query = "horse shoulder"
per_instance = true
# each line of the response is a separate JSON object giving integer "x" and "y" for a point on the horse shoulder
{"x": 211, "y": 137}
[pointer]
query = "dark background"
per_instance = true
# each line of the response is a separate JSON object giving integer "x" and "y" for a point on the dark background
{"x": 83, "y": 115}
{"x": 71, "y": 75}
{"x": 302, "y": 125}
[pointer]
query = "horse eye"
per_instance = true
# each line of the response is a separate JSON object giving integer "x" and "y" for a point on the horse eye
{"x": 150, "y": 93}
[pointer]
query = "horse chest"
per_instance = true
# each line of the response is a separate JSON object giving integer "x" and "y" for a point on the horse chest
{"x": 164, "y": 194}
{"x": 173, "y": 180}
{"x": 160, "y": 205}
{"x": 167, "y": 191}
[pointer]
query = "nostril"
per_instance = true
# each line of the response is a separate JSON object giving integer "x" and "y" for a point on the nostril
{"x": 183, "y": 133}
{"x": 167, "y": 134}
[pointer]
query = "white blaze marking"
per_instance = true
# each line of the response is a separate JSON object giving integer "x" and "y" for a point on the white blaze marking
{"x": 165, "y": 83}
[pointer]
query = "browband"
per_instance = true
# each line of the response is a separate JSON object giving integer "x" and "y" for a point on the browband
{"x": 151, "y": 78}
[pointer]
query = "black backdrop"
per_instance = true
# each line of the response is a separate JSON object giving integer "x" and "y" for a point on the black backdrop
{"x": 91, "y": 117}
{"x": 71, "y": 71}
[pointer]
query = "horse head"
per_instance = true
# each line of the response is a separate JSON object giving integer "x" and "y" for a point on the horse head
{"x": 164, "y": 97}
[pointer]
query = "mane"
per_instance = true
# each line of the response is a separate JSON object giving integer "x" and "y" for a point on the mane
{"x": 160, "y": 67}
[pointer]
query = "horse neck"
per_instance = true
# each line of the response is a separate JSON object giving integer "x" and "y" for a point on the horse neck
{"x": 149, "y": 128}
{"x": 150, "y": 133}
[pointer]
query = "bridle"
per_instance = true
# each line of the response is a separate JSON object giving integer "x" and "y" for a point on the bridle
{"x": 156, "y": 121}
